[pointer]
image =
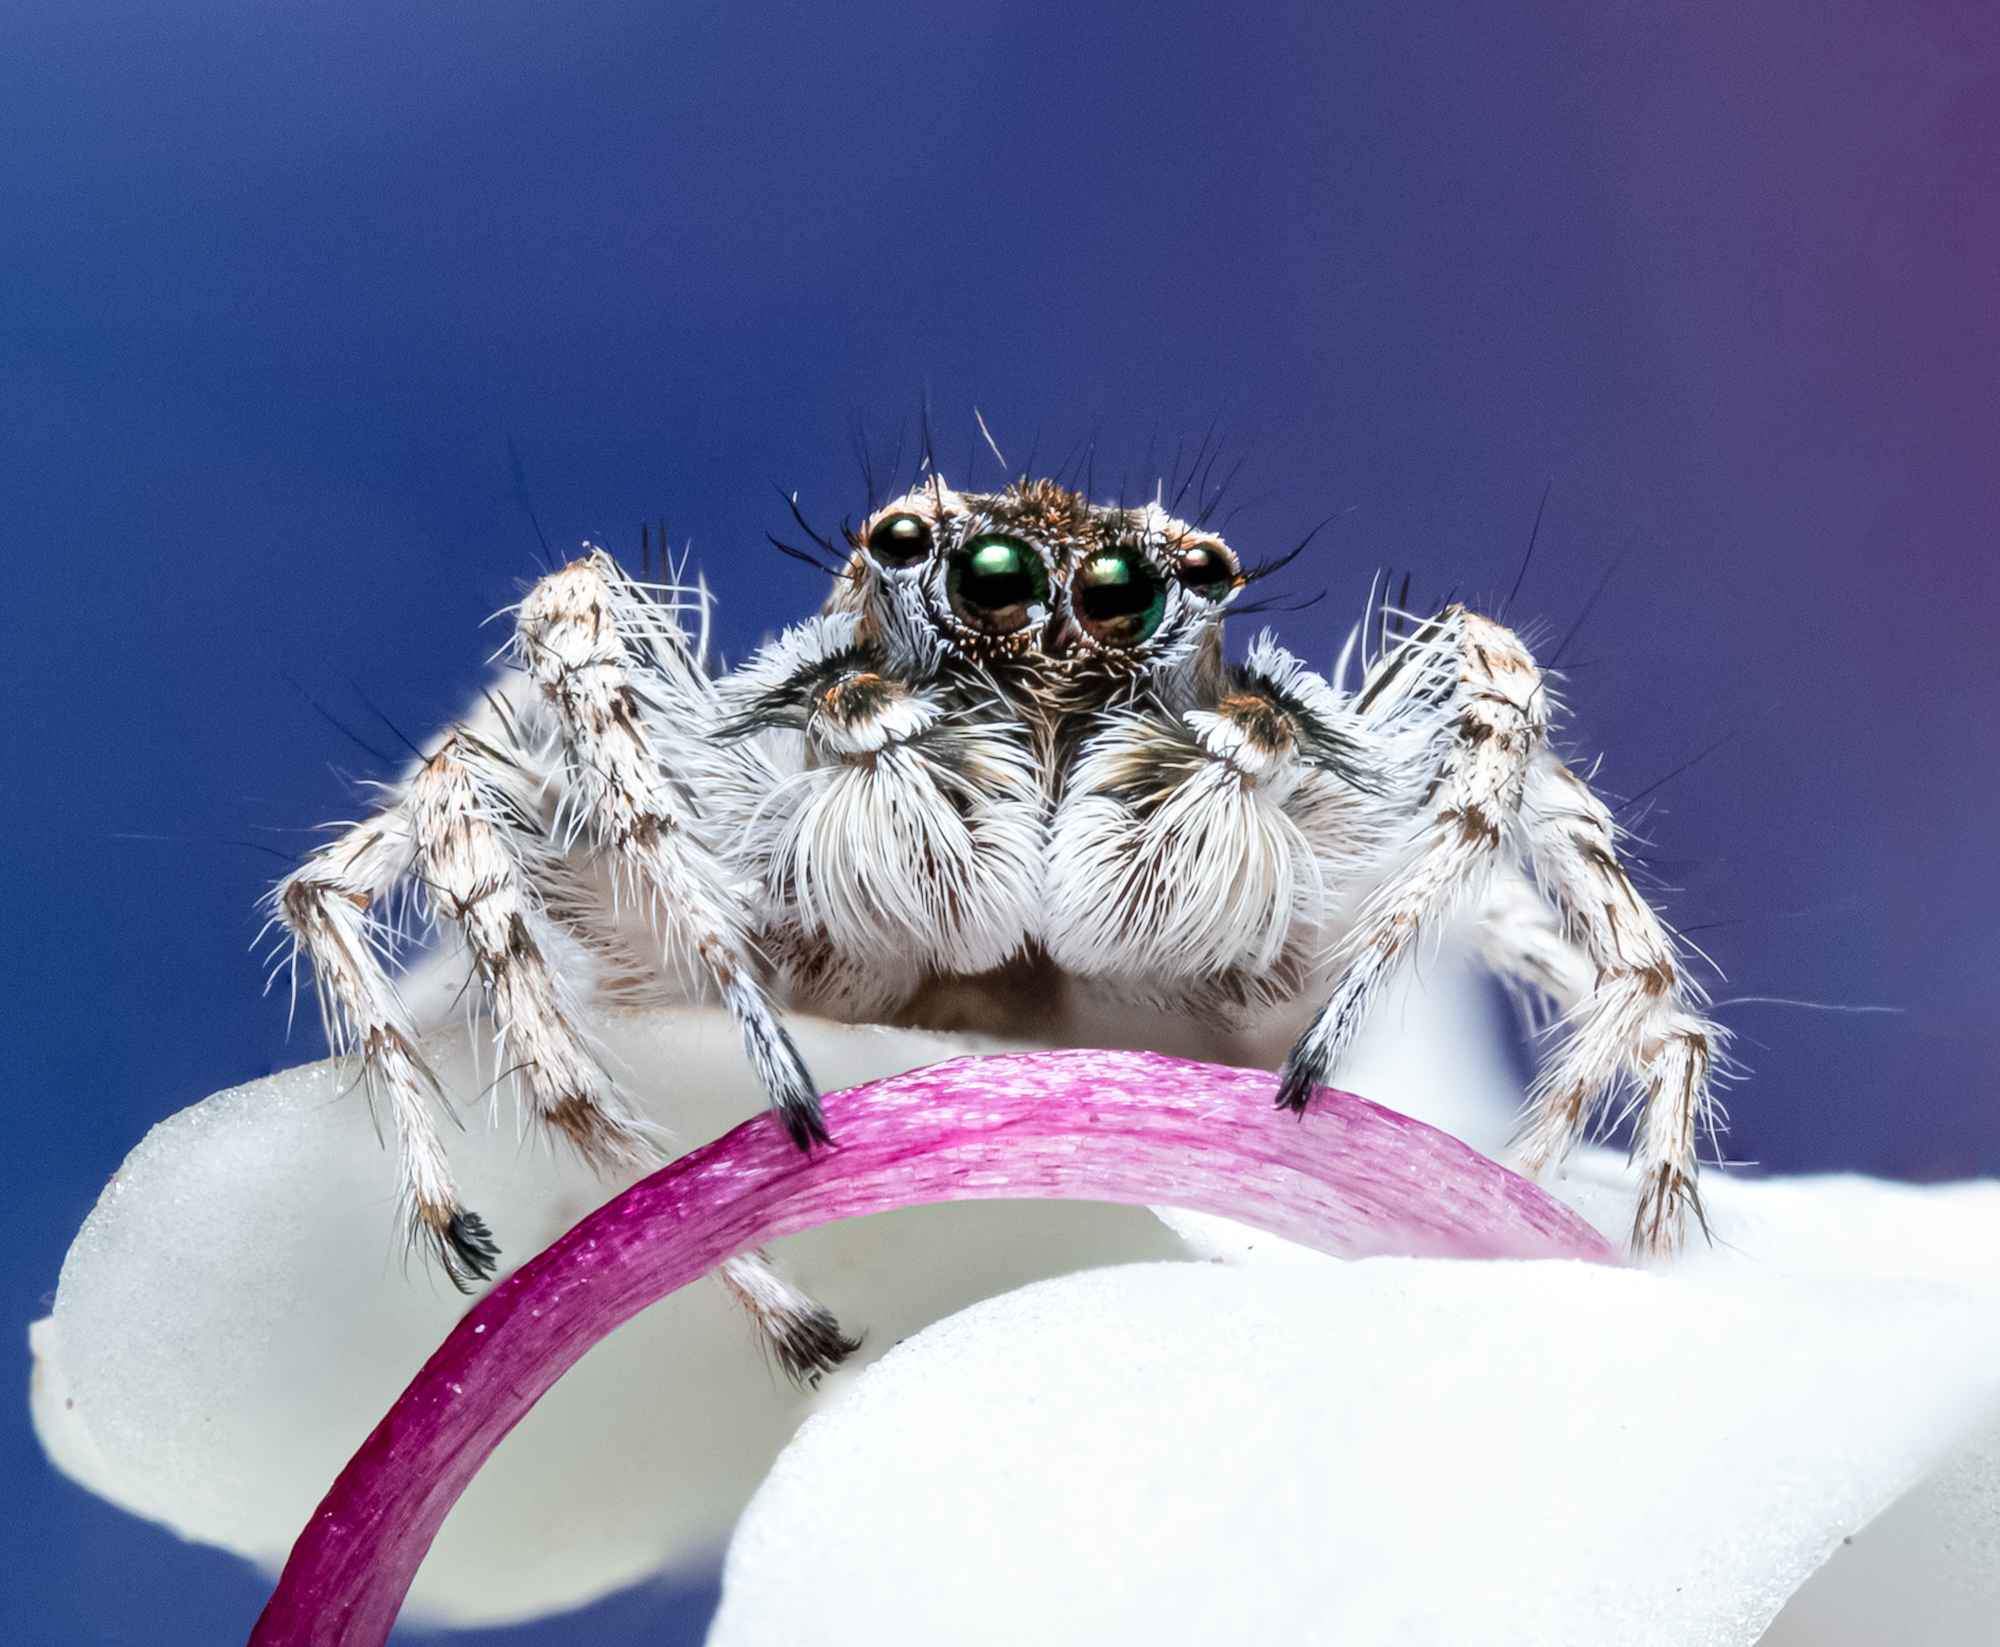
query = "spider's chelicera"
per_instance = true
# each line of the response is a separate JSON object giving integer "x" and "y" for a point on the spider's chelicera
{"x": 1006, "y": 766}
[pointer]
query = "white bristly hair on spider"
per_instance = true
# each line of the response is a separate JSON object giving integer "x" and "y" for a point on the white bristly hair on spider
{"x": 1005, "y": 766}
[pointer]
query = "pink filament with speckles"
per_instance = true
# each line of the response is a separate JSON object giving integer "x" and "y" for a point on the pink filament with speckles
{"x": 1352, "y": 1179}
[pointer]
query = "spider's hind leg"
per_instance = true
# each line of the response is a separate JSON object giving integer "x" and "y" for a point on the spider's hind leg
{"x": 1459, "y": 709}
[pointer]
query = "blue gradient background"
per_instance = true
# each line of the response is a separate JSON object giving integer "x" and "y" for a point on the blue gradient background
{"x": 281, "y": 283}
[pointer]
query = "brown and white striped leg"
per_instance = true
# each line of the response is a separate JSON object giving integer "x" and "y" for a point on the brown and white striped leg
{"x": 1467, "y": 696}
{"x": 471, "y": 811}
{"x": 330, "y": 906}
{"x": 623, "y": 691}
{"x": 1520, "y": 940}
{"x": 1642, "y": 1020}
{"x": 480, "y": 857}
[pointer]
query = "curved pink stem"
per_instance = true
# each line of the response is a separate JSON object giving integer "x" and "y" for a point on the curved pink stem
{"x": 1352, "y": 1179}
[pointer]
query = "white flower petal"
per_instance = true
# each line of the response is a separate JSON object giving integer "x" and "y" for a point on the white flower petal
{"x": 234, "y": 1318}
{"x": 1395, "y": 1451}
{"x": 1928, "y": 1567}
{"x": 1927, "y": 1570}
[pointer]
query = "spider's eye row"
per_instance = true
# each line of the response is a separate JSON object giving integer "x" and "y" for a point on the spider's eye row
{"x": 993, "y": 581}
{"x": 898, "y": 540}
{"x": 1206, "y": 569}
{"x": 1117, "y": 597}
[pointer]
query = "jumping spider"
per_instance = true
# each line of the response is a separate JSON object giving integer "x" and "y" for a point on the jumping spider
{"x": 1008, "y": 757}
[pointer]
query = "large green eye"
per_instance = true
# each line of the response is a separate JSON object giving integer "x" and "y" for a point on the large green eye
{"x": 993, "y": 581}
{"x": 898, "y": 540}
{"x": 1117, "y": 598}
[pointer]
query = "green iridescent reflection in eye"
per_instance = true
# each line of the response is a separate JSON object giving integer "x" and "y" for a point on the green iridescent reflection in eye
{"x": 1118, "y": 598}
{"x": 993, "y": 581}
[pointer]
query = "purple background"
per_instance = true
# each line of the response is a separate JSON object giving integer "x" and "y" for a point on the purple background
{"x": 280, "y": 286}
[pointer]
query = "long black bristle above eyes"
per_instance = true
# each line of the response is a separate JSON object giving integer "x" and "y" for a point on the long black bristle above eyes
{"x": 866, "y": 459}
{"x": 1213, "y": 502}
{"x": 1034, "y": 451}
{"x": 1194, "y": 467}
{"x": 806, "y": 526}
{"x": 896, "y": 462}
{"x": 804, "y": 557}
{"x": 1263, "y": 569}
{"x": 1069, "y": 457}
{"x": 1276, "y": 604}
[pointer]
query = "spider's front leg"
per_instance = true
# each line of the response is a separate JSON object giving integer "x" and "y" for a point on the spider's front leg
{"x": 331, "y": 908}
{"x": 1462, "y": 709}
{"x": 483, "y": 860}
{"x": 466, "y": 825}
{"x": 636, "y": 716}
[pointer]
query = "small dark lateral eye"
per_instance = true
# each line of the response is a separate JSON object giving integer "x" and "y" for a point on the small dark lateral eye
{"x": 1207, "y": 569}
{"x": 899, "y": 540}
{"x": 1117, "y": 598}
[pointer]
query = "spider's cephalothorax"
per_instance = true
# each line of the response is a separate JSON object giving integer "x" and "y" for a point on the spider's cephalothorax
{"x": 1035, "y": 584}
{"x": 1004, "y": 761}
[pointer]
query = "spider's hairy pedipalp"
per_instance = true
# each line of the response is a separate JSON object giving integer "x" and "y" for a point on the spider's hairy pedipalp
{"x": 905, "y": 831}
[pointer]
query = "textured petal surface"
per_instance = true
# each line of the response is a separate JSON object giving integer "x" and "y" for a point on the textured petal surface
{"x": 1391, "y": 1451}
{"x": 1928, "y": 1567}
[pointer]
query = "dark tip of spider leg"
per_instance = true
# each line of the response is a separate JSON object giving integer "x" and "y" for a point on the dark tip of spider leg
{"x": 1296, "y": 1085}
{"x": 805, "y": 1123}
{"x": 469, "y": 1251}
{"x": 810, "y": 1345}
{"x": 794, "y": 1095}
